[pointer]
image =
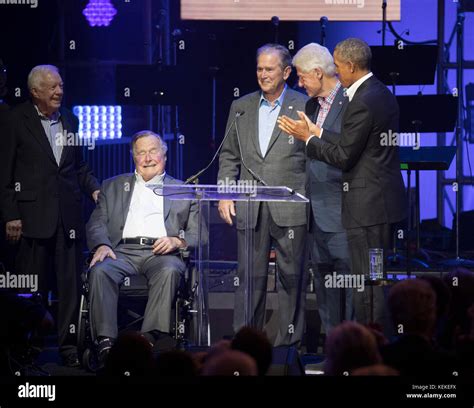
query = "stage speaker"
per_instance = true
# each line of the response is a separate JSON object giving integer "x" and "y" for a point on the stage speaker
{"x": 286, "y": 362}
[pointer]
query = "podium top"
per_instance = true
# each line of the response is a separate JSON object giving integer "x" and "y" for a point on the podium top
{"x": 237, "y": 192}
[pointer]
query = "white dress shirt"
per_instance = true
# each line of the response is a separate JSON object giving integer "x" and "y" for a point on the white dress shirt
{"x": 350, "y": 92}
{"x": 145, "y": 216}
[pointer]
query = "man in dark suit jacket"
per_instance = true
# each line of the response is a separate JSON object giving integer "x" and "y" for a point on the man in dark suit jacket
{"x": 278, "y": 160}
{"x": 41, "y": 189}
{"x": 134, "y": 231}
{"x": 373, "y": 199}
{"x": 329, "y": 251}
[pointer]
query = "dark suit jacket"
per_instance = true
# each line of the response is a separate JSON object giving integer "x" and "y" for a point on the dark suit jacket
{"x": 282, "y": 165}
{"x": 106, "y": 224}
{"x": 373, "y": 189}
{"x": 324, "y": 180}
{"x": 33, "y": 187}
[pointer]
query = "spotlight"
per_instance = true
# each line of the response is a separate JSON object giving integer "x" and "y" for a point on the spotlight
{"x": 99, "y": 12}
{"x": 99, "y": 121}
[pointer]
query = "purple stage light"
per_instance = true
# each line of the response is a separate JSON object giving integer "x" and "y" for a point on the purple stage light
{"x": 99, "y": 12}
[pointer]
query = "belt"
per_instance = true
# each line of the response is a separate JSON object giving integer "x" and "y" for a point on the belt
{"x": 138, "y": 240}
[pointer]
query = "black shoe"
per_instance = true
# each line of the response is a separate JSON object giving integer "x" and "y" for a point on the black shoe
{"x": 71, "y": 360}
{"x": 103, "y": 349}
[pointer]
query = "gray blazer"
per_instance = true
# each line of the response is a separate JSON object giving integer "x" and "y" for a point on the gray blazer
{"x": 284, "y": 162}
{"x": 324, "y": 180}
{"x": 107, "y": 221}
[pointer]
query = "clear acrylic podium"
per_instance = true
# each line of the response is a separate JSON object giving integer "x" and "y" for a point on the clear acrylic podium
{"x": 203, "y": 195}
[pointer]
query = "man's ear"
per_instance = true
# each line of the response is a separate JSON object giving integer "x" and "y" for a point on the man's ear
{"x": 34, "y": 93}
{"x": 352, "y": 66}
{"x": 286, "y": 72}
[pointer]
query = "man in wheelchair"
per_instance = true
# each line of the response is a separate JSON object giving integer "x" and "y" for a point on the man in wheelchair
{"x": 134, "y": 231}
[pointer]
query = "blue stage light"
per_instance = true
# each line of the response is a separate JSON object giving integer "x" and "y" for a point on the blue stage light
{"x": 103, "y": 122}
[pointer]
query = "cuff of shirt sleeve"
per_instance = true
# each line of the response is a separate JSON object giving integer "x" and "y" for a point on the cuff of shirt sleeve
{"x": 309, "y": 138}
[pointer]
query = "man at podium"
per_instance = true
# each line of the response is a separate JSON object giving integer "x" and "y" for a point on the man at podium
{"x": 256, "y": 150}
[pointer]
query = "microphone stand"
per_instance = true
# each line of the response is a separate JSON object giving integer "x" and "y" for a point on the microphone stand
{"x": 195, "y": 176}
{"x": 384, "y": 20}
{"x": 252, "y": 173}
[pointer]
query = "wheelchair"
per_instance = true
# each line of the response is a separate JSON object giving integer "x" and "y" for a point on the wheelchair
{"x": 132, "y": 299}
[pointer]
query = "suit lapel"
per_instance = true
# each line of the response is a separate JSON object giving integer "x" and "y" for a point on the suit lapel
{"x": 253, "y": 121}
{"x": 33, "y": 123}
{"x": 336, "y": 109}
{"x": 126, "y": 192}
{"x": 66, "y": 149}
{"x": 312, "y": 109}
{"x": 286, "y": 109}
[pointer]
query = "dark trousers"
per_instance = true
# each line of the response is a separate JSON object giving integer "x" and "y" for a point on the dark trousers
{"x": 57, "y": 261}
{"x": 290, "y": 248}
{"x": 360, "y": 240}
{"x": 163, "y": 273}
{"x": 330, "y": 253}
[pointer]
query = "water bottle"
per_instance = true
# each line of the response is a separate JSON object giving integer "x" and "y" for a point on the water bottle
{"x": 375, "y": 263}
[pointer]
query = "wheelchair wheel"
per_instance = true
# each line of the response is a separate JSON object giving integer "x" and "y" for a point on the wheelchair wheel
{"x": 89, "y": 361}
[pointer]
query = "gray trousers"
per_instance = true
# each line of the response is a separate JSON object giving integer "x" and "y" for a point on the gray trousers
{"x": 163, "y": 273}
{"x": 330, "y": 253}
{"x": 290, "y": 248}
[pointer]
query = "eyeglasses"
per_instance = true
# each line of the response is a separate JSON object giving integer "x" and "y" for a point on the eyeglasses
{"x": 152, "y": 152}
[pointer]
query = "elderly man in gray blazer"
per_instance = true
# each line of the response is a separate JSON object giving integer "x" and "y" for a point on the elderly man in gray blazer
{"x": 134, "y": 231}
{"x": 278, "y": 160}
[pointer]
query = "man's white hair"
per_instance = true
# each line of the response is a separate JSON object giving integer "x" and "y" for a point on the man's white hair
{"x": 314, "y": 56}
{"x": 38, "y": 73}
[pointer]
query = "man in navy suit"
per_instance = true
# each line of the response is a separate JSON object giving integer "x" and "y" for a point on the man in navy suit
{"x": 329, "y": 250}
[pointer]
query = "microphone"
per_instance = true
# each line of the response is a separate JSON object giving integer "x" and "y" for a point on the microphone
{"x": 252, "y": 173}
{"x": 324, "y": 21}
{"x": 276, "y": 22}
{"x": 194, "y": 177}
